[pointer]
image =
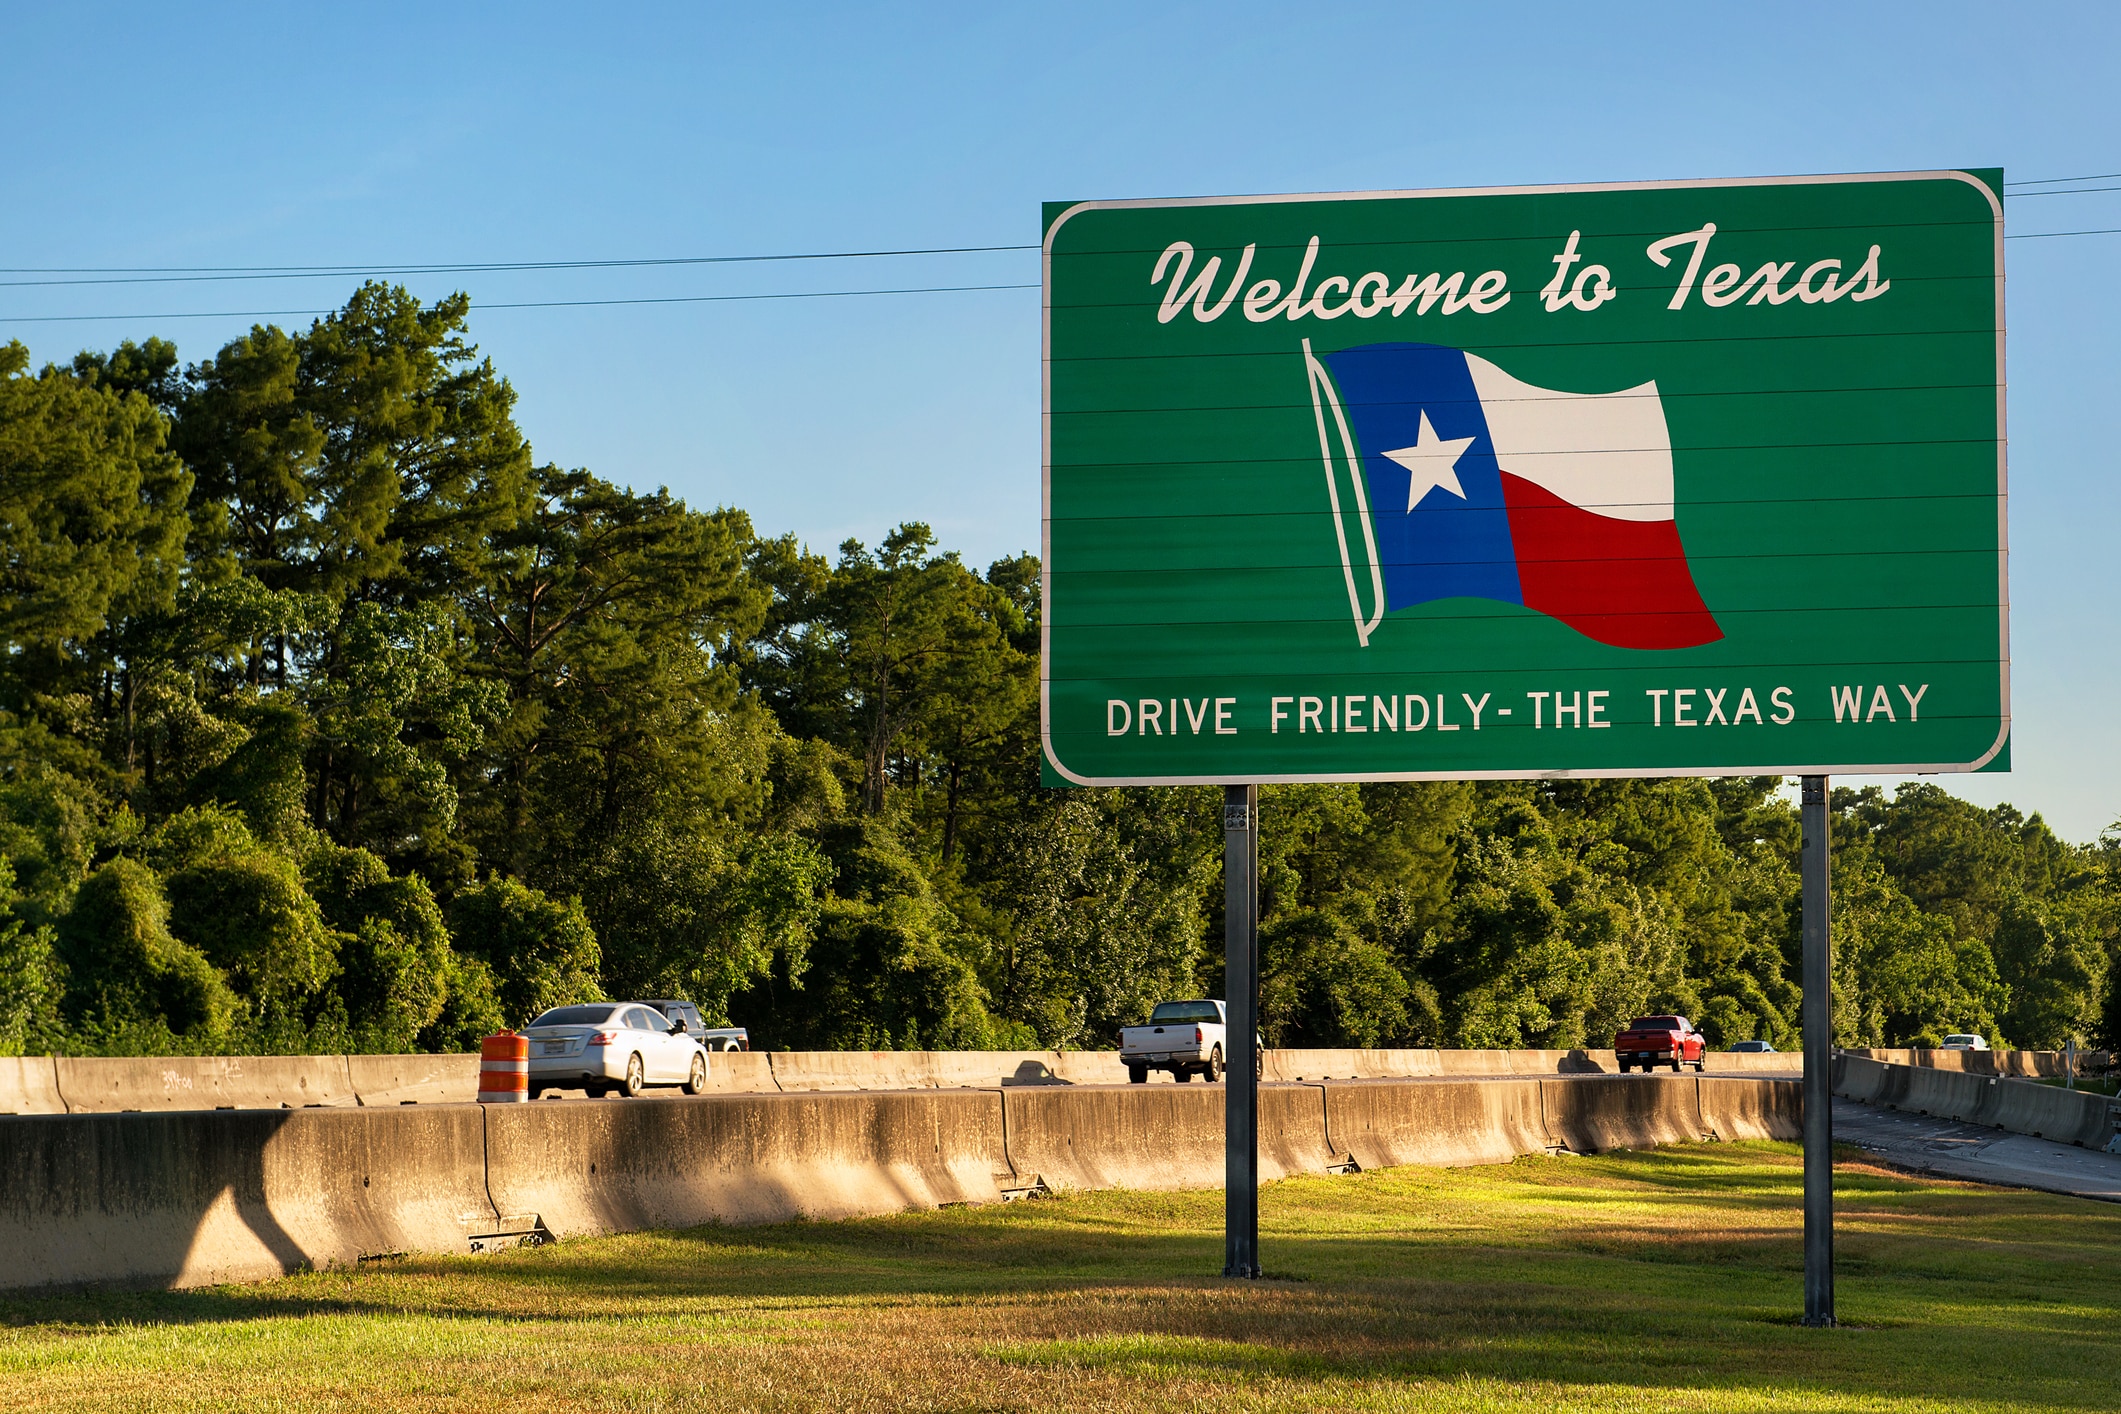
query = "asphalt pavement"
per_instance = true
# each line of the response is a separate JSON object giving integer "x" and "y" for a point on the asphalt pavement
{"x": 1949, "y": 1149}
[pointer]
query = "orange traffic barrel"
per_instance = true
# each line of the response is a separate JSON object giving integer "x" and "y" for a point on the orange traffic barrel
{"x": 504, "y": 1068}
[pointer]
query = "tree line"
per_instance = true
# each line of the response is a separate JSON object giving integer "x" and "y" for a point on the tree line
{"x": 331, "y": 719}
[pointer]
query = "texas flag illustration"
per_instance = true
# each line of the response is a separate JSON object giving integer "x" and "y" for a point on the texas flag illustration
{"x": 1475, "y": 484}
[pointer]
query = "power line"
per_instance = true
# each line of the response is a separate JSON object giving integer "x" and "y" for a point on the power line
{"x": 2050, "y": 235}
{"x": 178, "y": 274}
{"x": 524, "y": 304}
{"x": 2059, "y": 181}
{"x": 2060, "y": 191}
{"x": 186, "y": 274}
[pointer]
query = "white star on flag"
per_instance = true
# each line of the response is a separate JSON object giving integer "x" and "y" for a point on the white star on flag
{"x": 1432, "y": 461}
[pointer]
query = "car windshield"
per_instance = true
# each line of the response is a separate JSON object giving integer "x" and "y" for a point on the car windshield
{"x": 1184, "y": 1011}
{"x": 1960, "y": 1040}
{"x": 1654, "y": 1023}
{"x": 574, "y": 1016}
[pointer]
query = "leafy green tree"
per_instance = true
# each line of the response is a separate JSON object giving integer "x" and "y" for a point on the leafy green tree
{"x": 1093, "y": 934}
{"x": 149, "y": 369}
{"x": 256, "y": 449}
{"x": 31, "y": 981}
{"x": 608, "y": 619}
{"x": 125, "y": 972}
{"x": 244, "y": 906}
{"x": 541, "y": 951}
{"x": 395, "y": 963}
{"x": 2052, "y": 965}
{"x": 1902, "y": 976}
{"x": 50, "y": 832}
{"x": 91, "y": 508}
{"x": 904, "y": 621}
{"x": 888, "y": 968}
{"x": 983, "y": 721}
{"x": 1322, "y": 983}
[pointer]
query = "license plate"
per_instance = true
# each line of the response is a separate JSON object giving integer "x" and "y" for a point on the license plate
{"x": 553, "y": 1048}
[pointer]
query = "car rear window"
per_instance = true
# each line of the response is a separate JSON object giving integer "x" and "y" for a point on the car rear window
{"x": 574, "y": 1016}
{"x": 1184, "y": 1011}
{"x": 1654, "y": 1023}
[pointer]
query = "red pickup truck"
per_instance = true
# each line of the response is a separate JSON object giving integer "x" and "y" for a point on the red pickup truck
{"x": 1660, "y": 1040}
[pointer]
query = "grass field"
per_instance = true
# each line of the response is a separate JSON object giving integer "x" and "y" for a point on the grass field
{"x": 1633, "y": 1281}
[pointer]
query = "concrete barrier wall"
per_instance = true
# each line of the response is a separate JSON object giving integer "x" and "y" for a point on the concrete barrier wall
{"x": 383, "y": 1081}
{"x": 741, "y": 1073}
{"x": 908, "y": 1070}
{"x": 190, "y": 1198}
{"x": 1383, "y": 1123}
{"x": 1157, "y": 1137}
{"x": 2003, "y": 1102}
{"x": 198, "y": 1198}
{"x": 1756, "y": 1062}
{"x": 1394, "y": 1064}
{"x": 2049, "y": 1112}
{"x": 743, "y": 1158}
{"x": 1131, "y": 1136}
{"x": 102, "y": 1084}
{"x": 94, "y": 1085}
{"x": 29, "y": 1085}
{"x": 2050, "y": 1064}
{"x": 1734, "y": 1107}
{"x": 1593, "y": 1113}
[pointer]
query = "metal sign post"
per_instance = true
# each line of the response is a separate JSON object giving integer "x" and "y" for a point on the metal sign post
{"x": 1241, "y": 993}
{"x": 1818, "y": 970}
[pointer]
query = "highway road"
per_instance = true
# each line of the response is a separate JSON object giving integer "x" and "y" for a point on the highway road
{"x": 1950, "y": 1149}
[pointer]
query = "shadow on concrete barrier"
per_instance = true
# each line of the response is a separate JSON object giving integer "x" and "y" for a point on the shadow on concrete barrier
{"x": 190, "y": 1199}
{"x": 744, "y": 1158}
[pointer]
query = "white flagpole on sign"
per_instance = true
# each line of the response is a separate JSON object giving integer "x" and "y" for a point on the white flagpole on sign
{"x": 1316, "y": 375}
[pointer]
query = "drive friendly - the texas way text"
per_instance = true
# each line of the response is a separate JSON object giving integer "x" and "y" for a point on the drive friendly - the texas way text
{"x": 1329, "y": 713}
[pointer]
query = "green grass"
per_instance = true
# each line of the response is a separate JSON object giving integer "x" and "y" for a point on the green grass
{"x": 1636, "y": 1281}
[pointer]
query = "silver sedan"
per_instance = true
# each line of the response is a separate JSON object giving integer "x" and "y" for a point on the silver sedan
{"x": 607, "y": 1047}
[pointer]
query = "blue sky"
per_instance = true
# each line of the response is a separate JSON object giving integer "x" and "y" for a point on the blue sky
{"x": 241, "y": 136}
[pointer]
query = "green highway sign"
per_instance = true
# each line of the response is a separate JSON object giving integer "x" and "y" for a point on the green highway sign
{"x": 1669, "y": 478}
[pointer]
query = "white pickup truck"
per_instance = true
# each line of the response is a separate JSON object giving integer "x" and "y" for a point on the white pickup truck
{"x": 1185, "y": 1038}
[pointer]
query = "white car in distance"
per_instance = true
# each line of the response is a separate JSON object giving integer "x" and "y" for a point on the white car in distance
{"x": 612, "y": 1047}
{"x": 1964, "y": 1041}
